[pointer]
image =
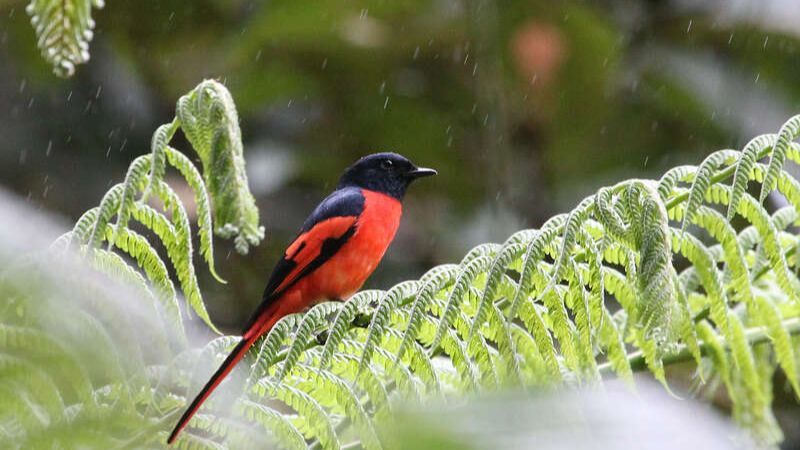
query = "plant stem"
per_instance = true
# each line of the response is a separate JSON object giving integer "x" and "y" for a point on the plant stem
{"x": 755, "y": 336}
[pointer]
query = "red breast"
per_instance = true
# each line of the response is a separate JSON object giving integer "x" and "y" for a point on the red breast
{"x": 345, "y": 273}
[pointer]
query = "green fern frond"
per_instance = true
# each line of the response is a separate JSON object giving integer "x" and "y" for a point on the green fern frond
{"x": 312, "y": 416}
{"x": 63, "y": 31}
{"x": 756, "y": 149}
{"x": 209, "y": 120}
{"x": 204, "y": 221}
{"x": 786, "y": 135}
{"x": 640, "y": 275}
{"x": 210, "y": 123}
{"x": 534, "y": 310}
{"x": 274, "y": 422}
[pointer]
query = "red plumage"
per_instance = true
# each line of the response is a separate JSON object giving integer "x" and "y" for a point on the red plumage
{"x": 340, "y": 246}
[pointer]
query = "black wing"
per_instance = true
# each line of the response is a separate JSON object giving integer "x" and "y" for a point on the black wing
{"x": 347, "y": 202}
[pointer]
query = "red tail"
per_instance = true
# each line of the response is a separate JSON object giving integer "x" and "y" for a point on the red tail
{"x": 250, "y": 337}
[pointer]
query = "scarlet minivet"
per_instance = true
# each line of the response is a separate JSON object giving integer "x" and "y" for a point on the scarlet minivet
{"x": 338, "y": 247}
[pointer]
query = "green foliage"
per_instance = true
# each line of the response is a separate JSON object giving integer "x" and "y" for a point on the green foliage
{"x": 209, "y": 120}
{"x": 642, "y": 274}
{"x": 207, "y": 116}
{"x": 63, "y": 30}
{"x": 93, "y": 361}
{"x": 626, "y": 281}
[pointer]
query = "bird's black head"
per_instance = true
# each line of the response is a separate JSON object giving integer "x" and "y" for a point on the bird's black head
{"x": 388, "y": 173}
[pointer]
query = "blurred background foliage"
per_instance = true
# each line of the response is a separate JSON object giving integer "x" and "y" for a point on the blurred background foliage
{"x": 523, "y": 106}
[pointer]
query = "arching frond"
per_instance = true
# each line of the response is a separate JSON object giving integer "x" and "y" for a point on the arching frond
{"x": 209, "y": 120}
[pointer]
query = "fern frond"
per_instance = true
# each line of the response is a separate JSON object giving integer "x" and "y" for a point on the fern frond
{"x": 640, "y": 275}
{"x": 209, "y": 120}
{"x": 273, "y": 421}
{"x": 204, "y": 222}
{"x": 311, "y": 415}
{"x": 211, "y": 124}
{"x": 63, "y": 31}
{"x": 534, "y": 309}
{"x": 752, "y": 152}
{"x": 788, "y": 132}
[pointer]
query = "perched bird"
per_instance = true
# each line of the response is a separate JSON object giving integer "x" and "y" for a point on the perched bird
{"x": 338, "y": 247}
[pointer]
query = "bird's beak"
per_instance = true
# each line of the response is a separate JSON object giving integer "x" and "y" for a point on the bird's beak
{"x": 420, "y": 172}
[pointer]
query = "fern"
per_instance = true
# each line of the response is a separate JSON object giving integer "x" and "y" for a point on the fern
{"x": 536, "y": 310}
{"x": 225, "y": 186}
{"x": 594, "y": 293}
{"x": 63, "y": 31}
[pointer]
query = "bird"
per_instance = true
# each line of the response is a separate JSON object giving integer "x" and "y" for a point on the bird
{"x": 338, "y": 247}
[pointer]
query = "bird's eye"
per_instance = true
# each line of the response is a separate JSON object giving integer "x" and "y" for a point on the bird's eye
{"x": 387, "y": 164}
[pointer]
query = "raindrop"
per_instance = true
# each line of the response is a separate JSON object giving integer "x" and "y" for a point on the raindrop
{"x": 689, "y": 28}
{"x": 289, "y": 105}
{"x": 474, "y": 69}
{"x": 124, "y": 143}
{"x": 22, "y": 85}
{"x": 766, "y": 39}
{"x": 49, "y": 148}
{"x": 730, "y": 39}
{"x": 758, "y": 75}
{"x": 382, "y": 88}
{"x": 108, "y": 151}
{"x": 30, "y": 103}
{"x": 324, "y": 63}
{"x": 23, "y": 156}
{"x": 364, "y": 13}
{"x": 646, "y": 158}
{"x": 258, "y": 55}
{"x": 386, "y": 103}
{"x": 416, "y": 52}
{"x": 99, "y": 89}
{"x": 69, "y": 96}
